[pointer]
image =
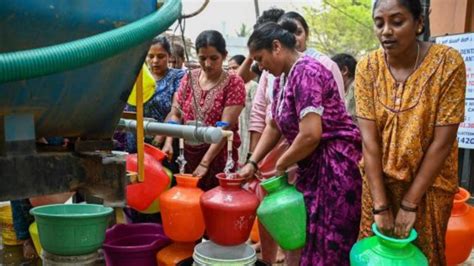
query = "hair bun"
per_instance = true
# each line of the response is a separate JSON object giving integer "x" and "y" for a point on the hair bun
{"x": 289, "y": 25}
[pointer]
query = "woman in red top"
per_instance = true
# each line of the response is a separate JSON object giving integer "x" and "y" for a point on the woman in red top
{"x": 207, "y": 95}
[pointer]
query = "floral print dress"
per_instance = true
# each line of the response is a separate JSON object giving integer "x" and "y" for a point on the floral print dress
{"x": 207, "y": 106}
{"x": 329, "y": 177}
{"x": 406, "y": 116}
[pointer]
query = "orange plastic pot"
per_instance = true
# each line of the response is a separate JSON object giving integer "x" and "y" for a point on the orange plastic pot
{"x": 229, "y": 211}
{"x": 144, "y": 196}
{"x": 180, "y": 210}
{"x": 254, "y": 234}
{"x": 174, "y": 253}
{"x": 460, "y": 233}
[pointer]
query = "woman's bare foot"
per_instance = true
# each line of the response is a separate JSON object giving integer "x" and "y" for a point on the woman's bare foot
{"x": 256, "y": 246}
{"x": 280, "y": 257}
{"x": 29, "y": 251}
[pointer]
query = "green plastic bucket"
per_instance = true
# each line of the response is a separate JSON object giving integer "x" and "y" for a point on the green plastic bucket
{"x": 71, "y": 229}
{"x": 209, "y": 253}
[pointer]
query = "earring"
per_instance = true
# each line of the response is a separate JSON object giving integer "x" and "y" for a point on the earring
{"x": 419, "y": 30}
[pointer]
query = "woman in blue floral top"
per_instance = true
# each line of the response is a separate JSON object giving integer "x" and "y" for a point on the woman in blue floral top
{"x": 157, "y": 107}
{"x": 167, "y": 82}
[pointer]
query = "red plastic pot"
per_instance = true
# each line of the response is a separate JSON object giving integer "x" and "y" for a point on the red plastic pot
{"x": 144, "y": 196}
{"x": 229, "y": 211}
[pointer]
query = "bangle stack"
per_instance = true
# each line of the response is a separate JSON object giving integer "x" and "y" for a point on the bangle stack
{"x": 249, "y": 155}
{"x": 253, "y": 163}
{"x": 408, "y": 209}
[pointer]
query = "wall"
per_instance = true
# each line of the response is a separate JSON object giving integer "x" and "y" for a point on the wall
{"x": 451, "y": 17}
{"x": 454, "y": 17}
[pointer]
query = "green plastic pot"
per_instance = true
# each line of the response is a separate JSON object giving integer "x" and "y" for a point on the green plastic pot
{"x": 170, "y": 175}
{"x": 283, "y": 213}
{"x": 383, "y": 250}
{"x": 71, "y": 229}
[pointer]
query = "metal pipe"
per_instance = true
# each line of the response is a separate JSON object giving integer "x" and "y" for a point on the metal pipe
{"x": 192, "y": 133}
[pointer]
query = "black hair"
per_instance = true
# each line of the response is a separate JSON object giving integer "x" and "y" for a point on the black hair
{"x": 263, "y": 36}
{"x": 346, "y": 60}
{"x": 291, "y": 15}
{"x": 163, "y": 41}
{"x": 239, "y": 59}
{"x": 269, "y": 15}
{"x": 414, "y": 6}
{"x": 177, "y": 50}
{"x": 211, "y": 38}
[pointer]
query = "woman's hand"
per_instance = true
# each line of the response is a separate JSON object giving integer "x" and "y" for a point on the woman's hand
{"x": 158, "y": 140}
{"x": 168, "y": 150}
{"x": 201, "y": 170}
{"x": 248, "y": 171}
{"x": 405, "y": 220}
{"x": 404, "y": 223}
{"x": 384, "y": 222}
{"x": 280, "y": 169}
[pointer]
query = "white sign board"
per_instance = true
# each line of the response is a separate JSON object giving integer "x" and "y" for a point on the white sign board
{"x": 464, "y": 43}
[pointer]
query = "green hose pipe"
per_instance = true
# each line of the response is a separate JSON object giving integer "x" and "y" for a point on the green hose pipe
{"x": 57, "y": 58}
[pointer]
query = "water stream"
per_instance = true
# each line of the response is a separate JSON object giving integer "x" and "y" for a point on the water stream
{"x": 181, "y": 161}
{"x": 229, "y": 165}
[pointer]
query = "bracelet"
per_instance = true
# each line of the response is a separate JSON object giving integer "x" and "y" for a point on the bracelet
{"x": 253, "y": 163}
{"x": 408, "y": 209}
{"x": 249, "y": 154}
{"x": 380, "y": 210}
{"x": 203, "y": 165}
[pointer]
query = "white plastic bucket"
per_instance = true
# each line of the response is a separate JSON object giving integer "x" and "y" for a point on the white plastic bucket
{"x": 209, "y": 253}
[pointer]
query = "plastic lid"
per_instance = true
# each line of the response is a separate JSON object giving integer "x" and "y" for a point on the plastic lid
{"x": 222, "y": 124}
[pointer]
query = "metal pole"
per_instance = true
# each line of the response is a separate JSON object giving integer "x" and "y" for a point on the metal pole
{"x": 257, "y": 10}
{"x": 425, "y": 4}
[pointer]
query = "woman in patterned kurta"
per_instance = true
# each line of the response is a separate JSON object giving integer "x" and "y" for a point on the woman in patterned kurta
{"x": 309, "y": 112}
{"x": 411, "y": 125}
{"x": 209, "y": 94}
